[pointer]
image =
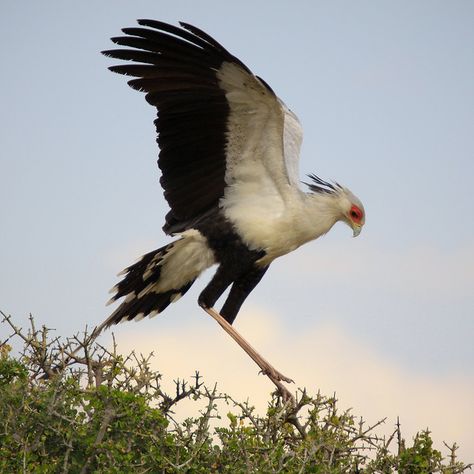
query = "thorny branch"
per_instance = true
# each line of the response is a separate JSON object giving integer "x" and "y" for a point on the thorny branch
{"x": 312, "y": 422}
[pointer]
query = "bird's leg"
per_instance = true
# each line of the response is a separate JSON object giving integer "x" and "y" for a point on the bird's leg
{"x": 241, "y": 288}
{"x": 275, "y": 376}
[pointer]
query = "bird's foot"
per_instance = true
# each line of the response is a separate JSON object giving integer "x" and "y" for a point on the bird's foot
{"x": 276, "y": 375}
{"x": 277, "y": 378}
{"x": 286, "y": 395}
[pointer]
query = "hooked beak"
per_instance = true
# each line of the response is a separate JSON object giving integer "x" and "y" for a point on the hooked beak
{"x": 356, "y": 229}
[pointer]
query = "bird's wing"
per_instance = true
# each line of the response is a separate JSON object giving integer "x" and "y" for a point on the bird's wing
{"x": 292, "y": 140}
{"x": 218, "y": 125}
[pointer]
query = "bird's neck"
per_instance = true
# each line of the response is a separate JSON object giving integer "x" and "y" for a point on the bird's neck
{"x": 278, "y": 231}
{"x": 323, "y": 210}
{"x": 310, "y": 217}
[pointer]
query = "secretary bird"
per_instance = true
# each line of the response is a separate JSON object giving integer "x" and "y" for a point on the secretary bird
{"x": 229, "y": 152}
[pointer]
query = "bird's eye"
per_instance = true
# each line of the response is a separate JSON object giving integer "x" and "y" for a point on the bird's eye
{"x": 356, "y": 214}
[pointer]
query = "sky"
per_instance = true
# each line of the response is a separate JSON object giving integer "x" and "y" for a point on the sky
{"x": 385, "y": 93}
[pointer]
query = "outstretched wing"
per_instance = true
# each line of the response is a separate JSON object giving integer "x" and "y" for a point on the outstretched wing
{"x": 292, "y": 139}
{"x": 218, "y": 125}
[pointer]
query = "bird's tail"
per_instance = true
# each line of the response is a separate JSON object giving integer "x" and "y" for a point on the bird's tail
{"x": 160, "y": 277}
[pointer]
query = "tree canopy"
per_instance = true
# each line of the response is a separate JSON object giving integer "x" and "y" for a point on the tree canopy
{"x": 76, "y": 406}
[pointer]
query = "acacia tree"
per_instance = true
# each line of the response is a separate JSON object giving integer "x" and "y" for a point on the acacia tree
{"x": 74, "y": 406}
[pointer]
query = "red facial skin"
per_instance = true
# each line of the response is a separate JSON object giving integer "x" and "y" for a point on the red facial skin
{"x": 356, "y": 214}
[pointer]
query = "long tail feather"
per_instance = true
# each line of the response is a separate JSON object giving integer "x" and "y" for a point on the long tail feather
{"x": 160, "y": 278}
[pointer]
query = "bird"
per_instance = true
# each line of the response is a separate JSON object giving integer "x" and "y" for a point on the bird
{"x": 229, "y": 161}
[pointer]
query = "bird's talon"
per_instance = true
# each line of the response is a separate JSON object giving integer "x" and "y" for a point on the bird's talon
{"x": 288, "y": 397}
{"x": 274, "y": 374}
{"x": 285, "y": 394}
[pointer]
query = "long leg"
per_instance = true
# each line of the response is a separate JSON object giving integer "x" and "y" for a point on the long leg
{"x": 241, "y": 288}
{"x": 214, "y": 289}
{"x": 238, "y": 293}
{"x": 275, "y": 376}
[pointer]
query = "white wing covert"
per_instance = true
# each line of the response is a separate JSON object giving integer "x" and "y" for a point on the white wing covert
{"x": 292, "y": 139}
{"x": 255, "y": 128}
{"x": 225, "y": 138}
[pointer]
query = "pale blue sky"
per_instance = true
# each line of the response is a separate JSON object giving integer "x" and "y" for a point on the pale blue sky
{"x": 385, "y": 92}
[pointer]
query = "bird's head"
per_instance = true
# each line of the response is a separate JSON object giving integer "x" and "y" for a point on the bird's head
{"x": 352, "y": 211}
{"x": 348, "y": 207}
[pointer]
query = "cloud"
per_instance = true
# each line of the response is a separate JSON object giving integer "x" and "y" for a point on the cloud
{"x": 324, "y": 357}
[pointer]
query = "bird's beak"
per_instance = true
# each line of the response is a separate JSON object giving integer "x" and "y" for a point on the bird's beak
{"x": 356, "y": 230}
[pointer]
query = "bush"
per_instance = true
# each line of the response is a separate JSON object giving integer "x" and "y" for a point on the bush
{"x": 75, "y": 406}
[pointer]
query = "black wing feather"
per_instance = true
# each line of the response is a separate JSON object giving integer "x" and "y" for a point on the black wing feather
{"x": 176, "y": 68}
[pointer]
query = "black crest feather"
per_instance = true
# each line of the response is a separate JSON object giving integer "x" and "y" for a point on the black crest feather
{"x": 320, "y": 186}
